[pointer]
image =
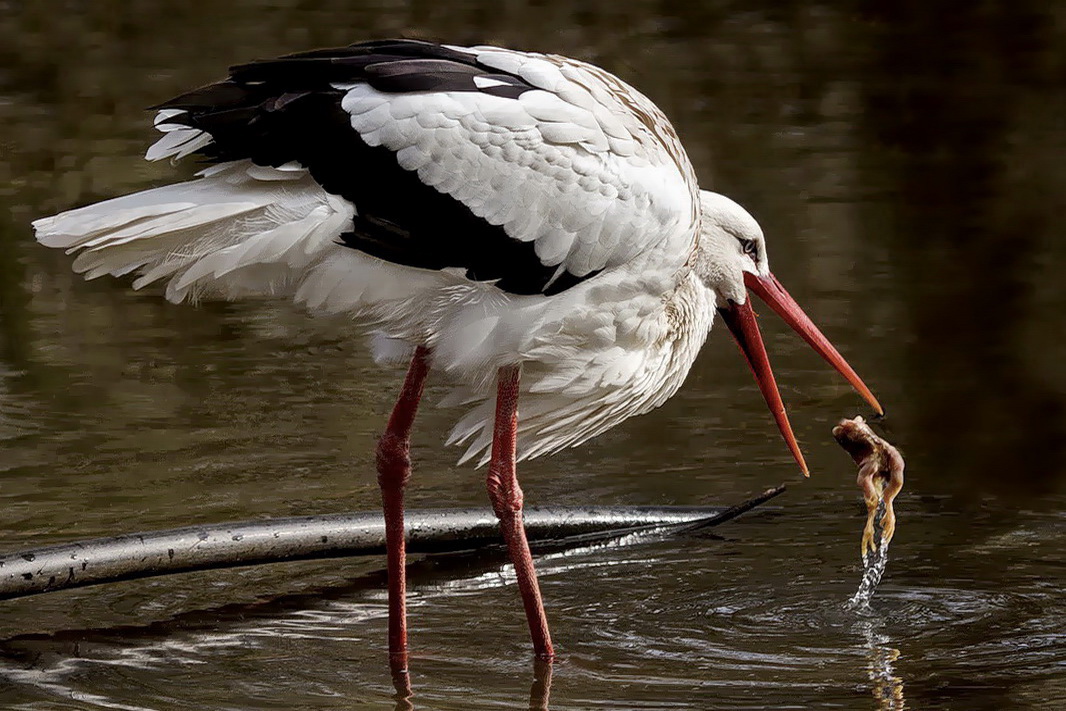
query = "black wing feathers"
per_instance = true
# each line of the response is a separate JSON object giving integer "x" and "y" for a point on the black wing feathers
{"x": 287, "y": 109}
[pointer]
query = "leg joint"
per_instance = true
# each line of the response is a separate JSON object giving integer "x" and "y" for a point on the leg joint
{"x": 504, "y": 493}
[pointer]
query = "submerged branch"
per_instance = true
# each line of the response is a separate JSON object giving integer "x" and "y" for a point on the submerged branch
{"x": 228, "y": 545}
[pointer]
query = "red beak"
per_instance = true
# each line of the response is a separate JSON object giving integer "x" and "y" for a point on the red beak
{"x": 741, "y": 321}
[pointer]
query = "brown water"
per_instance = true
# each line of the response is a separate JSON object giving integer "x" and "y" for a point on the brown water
{"x": 907, "y": 167}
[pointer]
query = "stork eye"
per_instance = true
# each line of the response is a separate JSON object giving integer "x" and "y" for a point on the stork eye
{"x": 750, "y": 248}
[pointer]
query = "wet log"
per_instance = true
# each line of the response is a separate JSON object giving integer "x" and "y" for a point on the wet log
{"x": 227, "y": 545}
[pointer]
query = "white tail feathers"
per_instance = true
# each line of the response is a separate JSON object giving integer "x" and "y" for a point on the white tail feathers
{"x": 237, "y": 230}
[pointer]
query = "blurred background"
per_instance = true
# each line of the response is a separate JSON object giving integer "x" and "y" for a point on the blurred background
{"x": 905, "y": 160}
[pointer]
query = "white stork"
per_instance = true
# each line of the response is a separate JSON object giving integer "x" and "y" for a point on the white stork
{"x": 527, "y": 224}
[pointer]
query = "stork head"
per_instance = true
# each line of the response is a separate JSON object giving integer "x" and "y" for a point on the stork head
{"x": 732, "y": 261}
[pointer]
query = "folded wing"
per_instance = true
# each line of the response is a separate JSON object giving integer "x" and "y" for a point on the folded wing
{"x": 531, "y": 171}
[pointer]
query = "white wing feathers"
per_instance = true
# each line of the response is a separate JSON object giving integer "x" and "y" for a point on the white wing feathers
{"x": 554, "y": 166}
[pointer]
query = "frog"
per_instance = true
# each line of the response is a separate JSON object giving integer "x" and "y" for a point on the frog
{"x": 880, "y": 475}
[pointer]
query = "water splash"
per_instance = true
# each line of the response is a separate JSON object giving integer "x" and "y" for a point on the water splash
{"x": 885, "y": 684}
{"x": 873, "y": 566}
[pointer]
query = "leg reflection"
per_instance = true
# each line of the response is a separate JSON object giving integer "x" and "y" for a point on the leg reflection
{"x": 542, "y": 685}
{"x": 539, "y": 690}
{"x": 401, "y": 681}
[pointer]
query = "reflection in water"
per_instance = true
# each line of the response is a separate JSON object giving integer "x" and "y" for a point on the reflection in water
{"x": 404, "y": 695}
{"x": 886, "y": 684}
{"x": 401, "y": 681}
{"x": 319, "y": 616}
{"x": 540, "y": 689}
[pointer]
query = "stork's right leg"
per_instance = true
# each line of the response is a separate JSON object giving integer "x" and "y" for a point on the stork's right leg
{"x": 394, "y": 470}
{"x": 507, "y": 500}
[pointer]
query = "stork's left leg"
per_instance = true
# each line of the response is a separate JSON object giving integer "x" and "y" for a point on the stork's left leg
{"x": 506, "y": 497}
{"x": 394, "y": 471}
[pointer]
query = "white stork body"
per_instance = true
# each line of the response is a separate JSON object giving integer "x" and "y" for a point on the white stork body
{"x": 519, "y": 221}
{"x": 583, "y": 166}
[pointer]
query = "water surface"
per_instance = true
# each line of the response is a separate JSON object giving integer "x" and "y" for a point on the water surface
{"x": 906, "y": 167}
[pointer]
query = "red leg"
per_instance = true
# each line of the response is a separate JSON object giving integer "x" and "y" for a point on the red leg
{"x": 506, "y": 497}
{"x": 394, "y": 470}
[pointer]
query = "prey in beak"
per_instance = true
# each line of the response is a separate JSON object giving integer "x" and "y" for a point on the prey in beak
{"x": 741, "y": 321}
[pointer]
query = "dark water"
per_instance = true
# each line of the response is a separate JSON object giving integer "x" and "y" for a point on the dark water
{"x": 906, "y": 164}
